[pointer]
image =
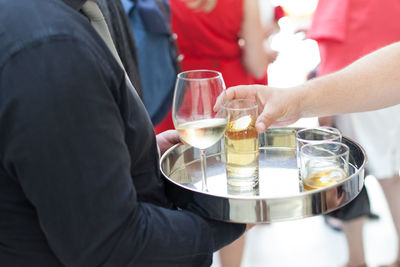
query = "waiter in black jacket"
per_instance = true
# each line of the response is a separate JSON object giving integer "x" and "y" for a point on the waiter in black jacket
{"x": 79, "y": 177}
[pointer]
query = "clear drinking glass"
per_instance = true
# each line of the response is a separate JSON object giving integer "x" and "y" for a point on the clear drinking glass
{"x": 313, "y": 136}
{"x": 193, "y": 111}
{"x": 241, "y": 145}
{"x": 323, "y": 164}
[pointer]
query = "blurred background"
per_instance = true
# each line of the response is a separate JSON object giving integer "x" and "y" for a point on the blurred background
{"x": 310, "y": 242}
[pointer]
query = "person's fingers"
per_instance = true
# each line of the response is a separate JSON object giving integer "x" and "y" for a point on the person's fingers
{"x": 242, "y": 91}
{"x": 174, "y": 137}
{"x": 270, "y": 117}
{"x": 237, "y": 92}
{"x": 169, "y": 136}
{"x": 264, "y": 120}
{"x": 221, "y": 99}
{"x": 173, "y": 134}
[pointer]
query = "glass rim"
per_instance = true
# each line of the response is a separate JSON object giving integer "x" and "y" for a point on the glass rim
{"x": 347, "y": 151}
{"x": 217, "y": 75}
{"x": 254, "y": 106}
{"x": 332, "y": 129}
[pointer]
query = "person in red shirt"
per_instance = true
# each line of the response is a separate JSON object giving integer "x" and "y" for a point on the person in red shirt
{"x": 345, "y": 31}
{"x": 370, "y": 83}
{"x": 226, "y": 36}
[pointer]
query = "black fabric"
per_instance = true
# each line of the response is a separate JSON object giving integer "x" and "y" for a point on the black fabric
{"x": 358, "y": 207}
{"x": 79, "y": 177}
{"x": 75, "y": 4}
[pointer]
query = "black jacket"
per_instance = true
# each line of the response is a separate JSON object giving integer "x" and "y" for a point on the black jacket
{"x": 79, "y": 178}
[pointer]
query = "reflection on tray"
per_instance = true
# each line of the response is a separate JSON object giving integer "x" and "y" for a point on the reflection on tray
{"x": 279, "y": 196}
{"x": 278, "y": 174}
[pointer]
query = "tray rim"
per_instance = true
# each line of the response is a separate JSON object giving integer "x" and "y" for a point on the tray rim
{"x": 304, "y": 193}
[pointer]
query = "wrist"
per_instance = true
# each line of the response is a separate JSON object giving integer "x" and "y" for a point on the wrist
{"x": 300, "y": 102}
{"x": 310, "y": 97}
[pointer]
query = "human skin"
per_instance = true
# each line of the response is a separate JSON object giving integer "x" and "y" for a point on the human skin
{"x": 370, "y": 83}
{"x": 167, "y": 139}
{"x": 255, "y": 56}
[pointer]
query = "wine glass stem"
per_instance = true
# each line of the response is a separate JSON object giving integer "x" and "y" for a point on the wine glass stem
{"x": 203, "y": 161}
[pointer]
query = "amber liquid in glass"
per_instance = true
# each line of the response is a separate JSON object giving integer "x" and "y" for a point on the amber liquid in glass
{"x": 323, "y": 178}
{"x": 241, "y": 147}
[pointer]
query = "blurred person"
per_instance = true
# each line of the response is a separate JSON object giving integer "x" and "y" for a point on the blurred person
{"x": 222, "y": 35}
{"x": 370, "y": 83}
{"x": 345, "y": 31}
{"x": 226, "y": 36}
{"x": 79, "y": 175}
{"x": 150, "y": 23}
{"x": 270, "y": 14}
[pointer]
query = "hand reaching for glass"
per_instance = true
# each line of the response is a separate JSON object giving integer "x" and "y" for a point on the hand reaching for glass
{"x": 277, "y": 105}
{"x": 367, "y": 84}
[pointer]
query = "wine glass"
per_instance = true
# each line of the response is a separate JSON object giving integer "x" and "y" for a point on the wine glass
{"x": 193, "y": 112}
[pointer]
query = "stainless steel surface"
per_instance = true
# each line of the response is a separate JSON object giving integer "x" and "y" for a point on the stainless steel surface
{"x": 279, "y": 196}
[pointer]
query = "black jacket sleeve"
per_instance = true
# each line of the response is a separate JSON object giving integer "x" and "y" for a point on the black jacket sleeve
{"x": 62, "y": 138}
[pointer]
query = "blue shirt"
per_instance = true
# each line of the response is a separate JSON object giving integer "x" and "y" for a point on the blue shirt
{"x": 156, "y": 54}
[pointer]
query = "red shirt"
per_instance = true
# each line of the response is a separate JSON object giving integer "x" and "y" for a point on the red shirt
{"x": 210, "y": 40}
{"x": 348, "y": 29}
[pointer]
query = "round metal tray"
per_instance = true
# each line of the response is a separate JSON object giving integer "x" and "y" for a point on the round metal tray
{"x": 279, "y": 196}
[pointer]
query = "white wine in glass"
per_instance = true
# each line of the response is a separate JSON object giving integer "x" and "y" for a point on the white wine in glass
{"x": 197, "y": 123}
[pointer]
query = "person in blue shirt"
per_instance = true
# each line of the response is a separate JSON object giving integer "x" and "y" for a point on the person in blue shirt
{"x": 157, "y": 54}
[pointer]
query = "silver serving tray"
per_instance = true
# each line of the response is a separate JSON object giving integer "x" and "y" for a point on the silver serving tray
{"x": 279, "y": 196}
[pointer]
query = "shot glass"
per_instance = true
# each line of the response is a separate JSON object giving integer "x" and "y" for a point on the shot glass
{"x": 241, "y": 145}
{"x": 323, "y": 164}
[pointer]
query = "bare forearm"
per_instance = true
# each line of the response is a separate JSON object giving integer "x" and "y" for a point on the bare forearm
{"x": 370, "y": 83}
{"x": 254, "y": 54}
